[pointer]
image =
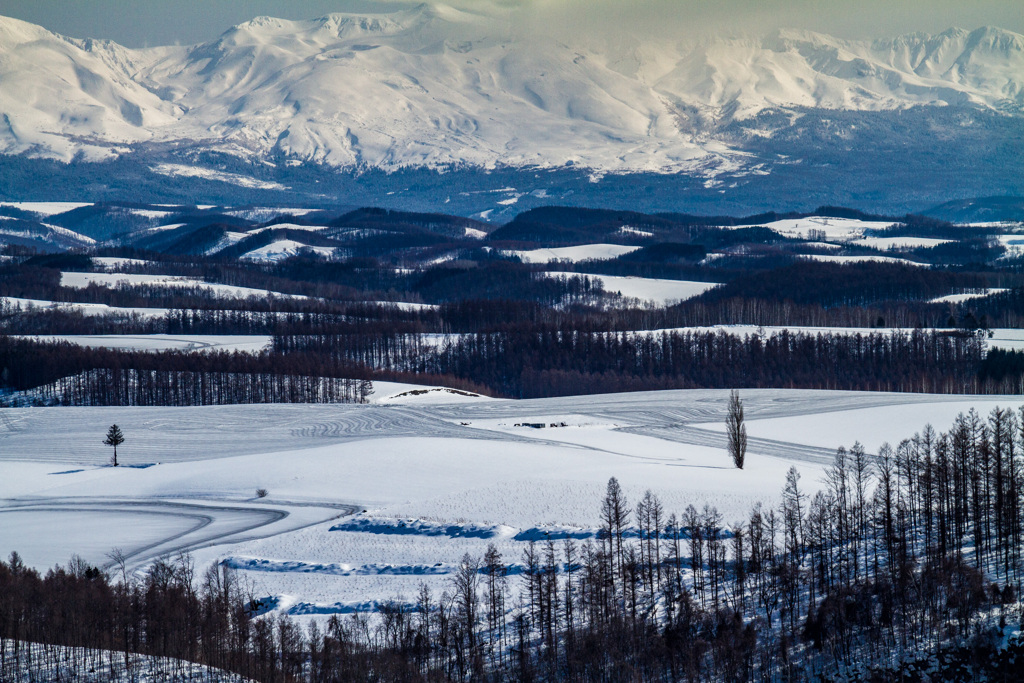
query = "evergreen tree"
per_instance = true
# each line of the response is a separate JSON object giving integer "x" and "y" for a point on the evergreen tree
{"x": 114, "y": 438}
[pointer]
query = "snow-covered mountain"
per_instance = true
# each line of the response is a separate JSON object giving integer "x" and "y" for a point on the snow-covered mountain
{"x": 435, "y": 86}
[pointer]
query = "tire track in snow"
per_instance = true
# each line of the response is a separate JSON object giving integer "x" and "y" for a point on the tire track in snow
{"x": 248, "y": 520}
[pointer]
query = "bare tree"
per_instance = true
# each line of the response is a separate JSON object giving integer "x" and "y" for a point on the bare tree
{"x": 465, "y": 583}
{"x": 114, "y": 438}
{"x": 736, "y": 430}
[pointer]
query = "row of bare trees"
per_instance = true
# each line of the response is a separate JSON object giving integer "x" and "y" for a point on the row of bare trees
{"x": 61, "y": 373}
{"x": 129, "y": 387}
{"x": 539, "y": 360}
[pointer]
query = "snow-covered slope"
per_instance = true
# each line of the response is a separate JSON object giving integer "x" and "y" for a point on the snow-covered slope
{"x": 278, "y": 250}
{"x": 41, "y": 234}
{"x": 432, "y": 85}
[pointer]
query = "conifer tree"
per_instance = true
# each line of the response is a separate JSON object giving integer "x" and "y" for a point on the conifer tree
{"x": 114, "y": 438}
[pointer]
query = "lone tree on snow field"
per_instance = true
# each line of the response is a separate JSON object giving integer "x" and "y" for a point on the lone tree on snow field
{"x": 114, "y": 438}
{"x": 736, "y": 430}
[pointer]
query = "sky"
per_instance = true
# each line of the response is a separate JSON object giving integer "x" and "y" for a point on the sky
{"x": 148, "y": 23}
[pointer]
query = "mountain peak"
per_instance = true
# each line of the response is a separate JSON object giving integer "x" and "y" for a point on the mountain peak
{"x": 15, "y": 32}
{"x": 995, "y": 38}
{"x": 430, "y": 86}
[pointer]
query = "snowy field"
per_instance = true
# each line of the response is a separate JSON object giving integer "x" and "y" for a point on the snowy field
{"x": 165, "y": 342}
{"x": 885, "y": 243}
{"x": 45, "y": 208}
{"x": 659, "y": 292}
{"x": 83, "y": 280}
{"x": 366, "y": 501}
{"x": 111, "y": 263}
{"x": 864, "y": 258}
{"x": 1014, "y": 244}
{"x": 960, "y": 298}
{"x": 84, "y": 309}
{"x": 1008, "y": 339}
{"x": 583, "y": 252}
{"x": 279, "y": 250}
{"x": 1001, "y": 338}
{"x": 831, "y": 229}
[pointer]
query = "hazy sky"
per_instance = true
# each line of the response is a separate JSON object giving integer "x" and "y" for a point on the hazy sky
{"x": 138, "y": 23}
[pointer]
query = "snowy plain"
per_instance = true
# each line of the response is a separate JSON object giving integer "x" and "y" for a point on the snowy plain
{"x": 83, "y": 280}
{"x": 83, "y": 308}
{"x": 1008, "y": 339}
{"x": 367, "y": 501}
{"x": 997, "y": 338}
{"x": 960, "y": 298}
{"x": 229, "y": 343}
{"x": 279, "y": 250}
{"x": 861, "y": 258}
{"x": 582, "y": 252}
{"x": 45, "y": 208}
{"x": 831, "y": 229}
{"x": 659, "y": 292}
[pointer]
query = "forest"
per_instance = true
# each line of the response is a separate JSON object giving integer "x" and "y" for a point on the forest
{"x": 903, "y": 562}
{"x": 493, "y": 324}
{"x": 529, "y": 361}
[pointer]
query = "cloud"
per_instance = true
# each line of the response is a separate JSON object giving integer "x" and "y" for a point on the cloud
{"x": 191, "y": 21}
{"x": 862, "y": 19}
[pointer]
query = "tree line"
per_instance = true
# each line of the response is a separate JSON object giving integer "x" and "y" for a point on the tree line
{"x": 521, "y": 361}
{"x": 908, "y": 554}
{"x": 61, "y": 373}
{"x": 537, "y": 360}
{"x": 759, "y": 291}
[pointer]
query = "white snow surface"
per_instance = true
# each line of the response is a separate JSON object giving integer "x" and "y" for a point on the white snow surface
{"x": 429, "y": 479}
{"x": 406, "y": 305}
{"x": 433, "y": 85}
{"x": 284, "y": 226}
{"x": 83, "y": 280}
{"x": 114, "y": 262}
{"x": 960, "y": 298}
{"x": 180, "y": 170}
{"x": 84, "y": 309}
{"x": 832, "y": 228}
{"x": 164, "y": 342}
{"x": 864, "y": 258}
{"x": 1014, "y": 243}
{"x": 884, "y": 243}
{"x": 1008, "y": 339}
{"x": 582, "y": 252}
{"x": 279, "y": 250}
{"x": 45, "y": 208}
{"x": 660, "y": 292}
{"x": 39, "y": 663}
{"x": 54, "y": 234}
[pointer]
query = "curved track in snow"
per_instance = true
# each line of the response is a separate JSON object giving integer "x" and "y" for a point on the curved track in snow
{"x": 208, "y": 524}
{"x": 175, "y": 513}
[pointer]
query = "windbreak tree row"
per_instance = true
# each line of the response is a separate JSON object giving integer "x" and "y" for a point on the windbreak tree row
{"x": 61, "y": 373}
{"x": 547, "y": 361}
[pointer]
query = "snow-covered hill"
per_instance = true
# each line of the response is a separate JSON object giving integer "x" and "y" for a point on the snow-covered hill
{"x": 433, "y": 86}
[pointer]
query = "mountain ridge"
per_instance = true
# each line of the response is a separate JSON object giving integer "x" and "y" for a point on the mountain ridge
{"x": 432, "y": 86}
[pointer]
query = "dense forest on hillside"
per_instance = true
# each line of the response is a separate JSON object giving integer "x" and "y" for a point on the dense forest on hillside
{"x": 429, "y": 296}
